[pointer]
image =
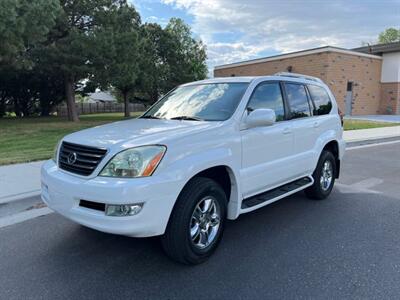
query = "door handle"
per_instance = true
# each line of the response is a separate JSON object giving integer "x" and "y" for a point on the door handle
{"x": 316, "y": 124}
{"x": 286, "y": 130}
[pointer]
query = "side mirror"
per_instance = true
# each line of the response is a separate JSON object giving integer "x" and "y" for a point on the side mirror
{"x": 260, "y": 117}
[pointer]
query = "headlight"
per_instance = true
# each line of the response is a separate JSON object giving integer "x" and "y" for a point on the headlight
{"x": 134, "y": 162}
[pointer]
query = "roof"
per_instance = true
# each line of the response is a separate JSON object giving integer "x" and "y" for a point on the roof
{"x": 102, "y": 96}
{"x": 379, "y": 49}
{"x": 296, "y": 54}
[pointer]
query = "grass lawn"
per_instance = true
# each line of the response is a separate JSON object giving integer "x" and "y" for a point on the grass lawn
{"x": 30, "y": 139}
{"x": 362, "y": 124}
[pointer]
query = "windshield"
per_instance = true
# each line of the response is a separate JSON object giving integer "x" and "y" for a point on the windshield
{"x": 208, "y": 102}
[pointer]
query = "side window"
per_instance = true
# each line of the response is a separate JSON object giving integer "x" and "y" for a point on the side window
{"x": 298, "y": 101}
{"x": 323, "y": 104}
{"x": 268, "y": 95}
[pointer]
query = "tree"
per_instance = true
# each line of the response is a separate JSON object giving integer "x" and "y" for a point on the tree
{"x": 51, "y": 91}
{"x": 187, "y": 56}
{"x": 29, "y": 92}
{"x": 49, "y": 80}
{"x": 153, "y": 79}
{"x": 389, "y": 35}
{"x": 52, "y": 46}
{"x": 21, "y": 97}
{"x": 72, "y": 45}
{"x": 5, "y": 89}
{"x": 23, "y": 25}
{"x": 171, "y": 57}
{"x": 119, "y": 65}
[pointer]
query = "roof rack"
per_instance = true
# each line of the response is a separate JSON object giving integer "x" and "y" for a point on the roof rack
{"x": 296, "y": 75}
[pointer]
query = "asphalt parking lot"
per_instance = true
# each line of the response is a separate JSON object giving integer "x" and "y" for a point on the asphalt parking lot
{"x": 347, "y": 246}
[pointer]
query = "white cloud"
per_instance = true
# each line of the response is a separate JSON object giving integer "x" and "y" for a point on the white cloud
{"x": 253, "y": 27}
{"x": 222, "y": 53}
{"x": 155, "y": 19}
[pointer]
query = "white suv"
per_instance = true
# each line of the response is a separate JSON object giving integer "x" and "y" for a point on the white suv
{"x": 206, "y": 152}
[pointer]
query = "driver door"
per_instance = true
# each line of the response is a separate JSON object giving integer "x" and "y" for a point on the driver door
{"x": 267, "y": 151}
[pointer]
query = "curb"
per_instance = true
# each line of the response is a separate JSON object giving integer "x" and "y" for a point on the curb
{"x": 21, "y": 196}
{"x": 372, "y": 138}
{"x": 24, "y": 216}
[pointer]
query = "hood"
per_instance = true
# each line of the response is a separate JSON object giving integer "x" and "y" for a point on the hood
{"x": 137, "y": 132}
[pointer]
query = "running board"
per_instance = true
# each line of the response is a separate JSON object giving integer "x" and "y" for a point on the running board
{"x": 277, "y": 193}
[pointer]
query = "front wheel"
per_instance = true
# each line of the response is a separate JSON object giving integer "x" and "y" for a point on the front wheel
{"x": 324, "y": 177}
{"x": 197, "y": 222}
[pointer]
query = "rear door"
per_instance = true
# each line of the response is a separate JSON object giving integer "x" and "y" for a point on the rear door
{"x": 322, "y": 106}
{"x": 304, "y": 126}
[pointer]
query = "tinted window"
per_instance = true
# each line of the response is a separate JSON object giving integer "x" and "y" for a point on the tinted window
{"x": 268, "y": 95}
{"x": 298, "y": 101}
{"x": 321, "y": 100}
{"x": 210, "y": 102}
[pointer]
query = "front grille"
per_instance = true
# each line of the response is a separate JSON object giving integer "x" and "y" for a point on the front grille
{"x": 80, "y": 159}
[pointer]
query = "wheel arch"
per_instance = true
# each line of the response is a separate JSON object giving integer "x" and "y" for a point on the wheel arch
{"x": 227, "y": 179}
{"x": 333, "y": 147}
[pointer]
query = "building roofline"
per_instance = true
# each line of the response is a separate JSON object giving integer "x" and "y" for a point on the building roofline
{"x": 379, "y": 48}
{"x": 297, "y": 54}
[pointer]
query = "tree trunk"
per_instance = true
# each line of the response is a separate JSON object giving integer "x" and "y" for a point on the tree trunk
{"x": 70, "y": 95}
{"x": 44, "y": 111}
{"x": 126, "y": 104}
{"x": 17, "y": 110}
{"x": 45, "y": 105}
{"x": 154, "y": 97}
{"x": 2, "y": 107}
{"x": 25, "y": 110}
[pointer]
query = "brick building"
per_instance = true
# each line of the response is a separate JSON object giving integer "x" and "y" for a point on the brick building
{"x": 364, "y": 80}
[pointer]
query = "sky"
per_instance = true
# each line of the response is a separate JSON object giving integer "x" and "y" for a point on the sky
{"x": 238, "y": 30}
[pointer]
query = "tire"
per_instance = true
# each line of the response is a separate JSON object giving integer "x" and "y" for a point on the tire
{"x": 181, "y": 241}
{"x": 322, "y": 187}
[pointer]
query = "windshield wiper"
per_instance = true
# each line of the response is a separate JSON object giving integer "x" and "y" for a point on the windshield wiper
{"x": 150, "y": 117}
{"x": 187, "y": 118}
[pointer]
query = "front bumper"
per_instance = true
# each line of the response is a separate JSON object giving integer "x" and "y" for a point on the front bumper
{"x": 62, "y": 192}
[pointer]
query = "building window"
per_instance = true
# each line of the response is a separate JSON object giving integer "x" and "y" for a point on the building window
{"x": 349, "y": 86}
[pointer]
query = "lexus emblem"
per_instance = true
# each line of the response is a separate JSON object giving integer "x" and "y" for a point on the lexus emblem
{"x": 72, "y": 158}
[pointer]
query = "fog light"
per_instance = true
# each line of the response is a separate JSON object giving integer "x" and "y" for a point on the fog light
{"x": 123, "y": 210}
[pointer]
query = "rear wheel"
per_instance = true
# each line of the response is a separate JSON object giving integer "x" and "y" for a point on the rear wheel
{"x": 324, "y": 177}
{"x": 197, "y": 222}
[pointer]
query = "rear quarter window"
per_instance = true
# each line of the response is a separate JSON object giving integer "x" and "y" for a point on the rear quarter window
{"x": 321, "y": 99}
{"x": 298, "y": 100}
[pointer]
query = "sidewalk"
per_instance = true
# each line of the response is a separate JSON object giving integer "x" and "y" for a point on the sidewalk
{"x": 371, "y": 134}
{"x": 21, "y": 181}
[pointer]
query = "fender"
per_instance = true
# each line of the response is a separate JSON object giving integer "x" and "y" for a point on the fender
{"x": 321, "y": 142}
{"x": 193, "y": 163}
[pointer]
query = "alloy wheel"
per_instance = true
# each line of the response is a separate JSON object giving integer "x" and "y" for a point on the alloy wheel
{"x": 205, "y": 222}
